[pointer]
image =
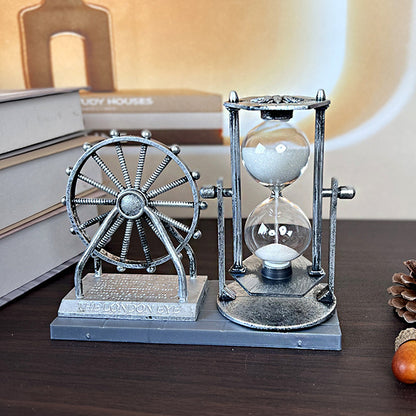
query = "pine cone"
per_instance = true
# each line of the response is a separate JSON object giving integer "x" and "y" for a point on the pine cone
{"x": 404, "y": 293}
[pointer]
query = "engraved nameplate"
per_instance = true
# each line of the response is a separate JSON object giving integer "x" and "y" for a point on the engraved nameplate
{"x": 116, "y": 296}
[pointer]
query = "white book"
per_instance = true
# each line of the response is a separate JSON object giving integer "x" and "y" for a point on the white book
{"x": 37, "y": 247}
{"x": 34, "y": 181}
{"x": 153, "y": 121}
{"x": 174, "y": 116}
{"x": 32, "y": 116}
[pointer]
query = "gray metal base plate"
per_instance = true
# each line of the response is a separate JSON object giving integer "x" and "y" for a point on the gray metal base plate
{"x": 211, "y": 328}
{"x": 276, "y": 313}
{"x": 299, "y": 284}
{"x": 132, "y": 296}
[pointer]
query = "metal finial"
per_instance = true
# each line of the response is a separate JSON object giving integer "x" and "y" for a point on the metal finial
{"x": 203, "y": 205}
{"x": 86, "y": 146}
{"x": 114, "y": 133}
{"x": 320, "y": 95}
{"x": 197, "y": 235}
{"x": 346, "y": 192}
{"x": 175, "y": 149}
{"x": 195, "y": 175}
{"x": 234, "y": 97}
{"x": 146, "y": 134}
{"x": 68, "y": 170}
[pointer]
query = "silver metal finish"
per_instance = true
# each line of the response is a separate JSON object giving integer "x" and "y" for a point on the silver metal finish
{"x": 223, "y": 293}
{"x": 332, "y": 235}
{"x": 273, "y": 313}
{"x": 210, "y": 192}
{"x": 299, "y": 300}
{"x": 318, "y": 167}
{"x": 98, "y": 267}
{"x": 132, "y": 202}
{"x": 136, "y": 195}
{"x": 337, "y": 192}
{"x": 271, "y": 103}
{"x": 297, "y": 285}
{"x": 188, "y": 249}
{"x": 162, "y": 234}
{"x": 89, "y": 251}
{"x": 221, "y": 239}
{"x": 138, "y": 297}
{"x": 237, "y": 267}
{"x": 211, "y": 328}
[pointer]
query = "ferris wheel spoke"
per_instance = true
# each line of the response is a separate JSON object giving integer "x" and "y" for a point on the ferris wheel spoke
{"x": 171, "y": 221}
{"x": 140, "y": 166}
{"x": 93, "y": 221}
{"x": 167, "y": 187}
{"x": 97, "y": 184}
{"x": 93, "y": 201}
{"x": 156, "y": 173}
{"x": 153, "y": 227}
{"x": 107, "y": 171}
{"x": 110, "y": 232}
{"x": 176, "y": 204}
{"x": 126, "y": 240}
{"x": 143, "y": 241}
{"x": 123, "y": 165}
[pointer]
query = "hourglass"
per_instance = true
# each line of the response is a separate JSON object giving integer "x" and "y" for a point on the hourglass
{"x": 277, "y": 231}
{"x": 277, "y": 288}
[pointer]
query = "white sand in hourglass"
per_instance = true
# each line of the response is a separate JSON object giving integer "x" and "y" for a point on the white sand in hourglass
{"x": 276, "y": 253}
{"x": 275, "y": 164}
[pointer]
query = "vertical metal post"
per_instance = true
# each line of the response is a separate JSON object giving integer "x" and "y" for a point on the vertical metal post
{"x": 221, "y": 239}
{"x": 224, "y": 293}
{"x": 236, "y": 186}
{"x": 332, "y": 234}
{"x": 317, "y": 186}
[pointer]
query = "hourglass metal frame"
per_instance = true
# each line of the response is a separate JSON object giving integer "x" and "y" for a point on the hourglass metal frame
{"x": 250, "y": 300}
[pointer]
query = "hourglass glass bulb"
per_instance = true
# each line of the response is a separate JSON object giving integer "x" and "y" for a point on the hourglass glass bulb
{"x": 275, "y": 153}
{"x": 277, "y": 231}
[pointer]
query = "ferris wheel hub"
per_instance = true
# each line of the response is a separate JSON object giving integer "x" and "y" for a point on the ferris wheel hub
{"x": 131, "y": 203}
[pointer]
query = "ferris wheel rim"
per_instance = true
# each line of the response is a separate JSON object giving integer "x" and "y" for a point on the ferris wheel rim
{"x": 102, "y": 253}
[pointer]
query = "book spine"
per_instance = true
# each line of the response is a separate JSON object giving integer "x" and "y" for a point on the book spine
{"x": 153, "y": 121}
{"x": 150, "y": 103}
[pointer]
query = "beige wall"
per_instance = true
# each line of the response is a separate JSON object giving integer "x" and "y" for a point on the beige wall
{"x": 362, "y": 52}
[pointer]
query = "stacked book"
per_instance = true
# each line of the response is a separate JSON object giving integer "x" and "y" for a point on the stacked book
{"x": 174, "y": 116}
{"x": 41, "y": 133}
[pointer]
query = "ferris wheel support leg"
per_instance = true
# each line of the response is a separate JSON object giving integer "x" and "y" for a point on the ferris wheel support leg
{"x": 163, "y": 235}
{"x": 192, "y": 261}
{"x": 98, "y": 267}
{"x": 188, "y": 249}
{"x": 90, "y": 249}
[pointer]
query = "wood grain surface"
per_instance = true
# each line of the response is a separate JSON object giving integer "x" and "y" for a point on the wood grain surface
{"x": 43, "y": 377}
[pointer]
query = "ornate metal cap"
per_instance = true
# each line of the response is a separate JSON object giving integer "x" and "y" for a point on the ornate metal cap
{"x": 278, "y": 99}
{"x": 278, "y": 102}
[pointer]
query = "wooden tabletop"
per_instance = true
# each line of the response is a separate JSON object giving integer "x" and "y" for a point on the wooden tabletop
{"x": 43, "y": 377}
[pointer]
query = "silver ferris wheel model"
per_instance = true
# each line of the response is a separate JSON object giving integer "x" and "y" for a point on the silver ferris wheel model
{"x": 134, "y": 204}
